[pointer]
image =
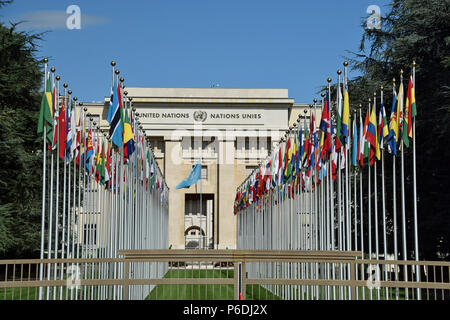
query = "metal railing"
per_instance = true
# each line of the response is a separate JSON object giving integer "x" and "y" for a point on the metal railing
{"x": 225, "y": 275}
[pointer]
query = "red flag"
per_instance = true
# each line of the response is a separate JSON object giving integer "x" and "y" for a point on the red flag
{"x": 62, "y": 131}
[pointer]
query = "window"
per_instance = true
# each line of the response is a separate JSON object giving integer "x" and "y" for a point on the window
{"x": 192, "y": 203}
{"x": 90, "y": 234}
{"x": 254, "y": 143}
{"x": 157, "y": 143}
{"x": 204, "y": 173}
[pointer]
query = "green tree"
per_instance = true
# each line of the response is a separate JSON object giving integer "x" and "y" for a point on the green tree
{"x": 20, "y": 148}
{"x": 415, "y": 30}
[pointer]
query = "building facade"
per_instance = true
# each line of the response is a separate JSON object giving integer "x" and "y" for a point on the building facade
{"x": 230, "y": 131}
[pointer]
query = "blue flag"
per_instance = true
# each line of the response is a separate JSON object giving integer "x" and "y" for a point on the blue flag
{"x": 192, "y": 178}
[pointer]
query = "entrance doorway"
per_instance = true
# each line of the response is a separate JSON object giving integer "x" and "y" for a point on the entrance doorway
{"x": 199, "y": 226}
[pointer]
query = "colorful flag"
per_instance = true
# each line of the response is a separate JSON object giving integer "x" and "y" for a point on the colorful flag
{"x": 393, "y": 127}
{"x": 69, "y": 131}
{"x": 115, "y": 115}
{"x": 46, "y": 113}
{"x": 407, "y": 116}
{"x": 128, "y": 140}
{"x": 346, "y": 115}
{"x": 89, "y": 151}
{"x": 355, "y": 144}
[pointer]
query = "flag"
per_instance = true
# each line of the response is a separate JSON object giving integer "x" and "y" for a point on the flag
{"x": 62, "y": 131}
{"x": 46, "y": 113}
{"x": 407, "y": 116}
{"x": 287, "y": 161}
{"x": 327, "y": 128}
{"x": 55, "y": 119}
{"x": 399, "y": 112}
{"x": 371, "y": 136}
{"x": 82, "y": 146}
{"x": 355, "y": 144}
{"x": 371, "y": 132}
{"x": 334, "y": 159}
{"x": 412, "y": 101}
{"x": 366, "y": 146}
{"x": 114, "y": 116}
{"x": 362, "y": 140}
{"x": 379, "y": 141}
{"x": 127, "y": 136}
{"x": 192, "y": 178}
{"x": 89, "y": 150}
{"x": 339, "y": 112}
{"x": 108, "y": 167}
{"x": 393, "y": 127}
{"x": 73, "y": 145}
{"x": 385, "y": 126}
{"x": 69, "y": 131}
{"x": 345, "y": 115}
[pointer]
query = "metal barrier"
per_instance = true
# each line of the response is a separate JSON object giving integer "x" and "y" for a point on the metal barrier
{"x": 225, "y": 275}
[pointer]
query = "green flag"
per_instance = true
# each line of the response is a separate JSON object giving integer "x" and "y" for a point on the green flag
{"x": 46, "y": 113}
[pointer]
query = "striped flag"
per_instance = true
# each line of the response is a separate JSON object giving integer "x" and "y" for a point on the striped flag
{"x": 114, "y": 116}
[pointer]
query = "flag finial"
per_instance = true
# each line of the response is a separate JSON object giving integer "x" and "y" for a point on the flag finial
{"x": 69, "y": 92}
{"x": 53, "y": 69}
{"x": 345, "y": 63}
{"x": 315, "y": 100}
{"x": 45, "y": 60}
{"x": 339, "y": 72}
{"x": 414, "y": 63}
{"x": 113, "y": 63}
{"x": 58, "y": 78}
{"x": 329, "y": 80}
{"x": 322, "y": 94}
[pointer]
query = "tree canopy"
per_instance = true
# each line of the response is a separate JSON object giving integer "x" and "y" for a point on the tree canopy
{"x": 416, "y": 30}
{"x": 21, "y": 169}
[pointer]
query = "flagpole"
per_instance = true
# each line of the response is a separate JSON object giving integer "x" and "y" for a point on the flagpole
{"x": 347, "y": 177}
{"x": 50, "y": 227}
{"x": 416, "y": 235}
{"x": 69, "y": 211}
{"x": 74, "y": 142}
{"x": 355, "y": 132}
{"x": 43, "y": 188}
{"x": 361, "y": 196}
{"x": 80, "y": 172}
{"x": 394, "y": 211}
{"x": 403, "y": 190}
{"x": 56, "y": 117}
{"x": 375, "y": 188}
{"x": 383, "y": 191}
{"x": 316, "y": 205}
{"x": 341, "y": 232}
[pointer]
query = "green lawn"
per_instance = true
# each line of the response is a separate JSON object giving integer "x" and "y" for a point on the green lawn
{"x": 205, "y": 292}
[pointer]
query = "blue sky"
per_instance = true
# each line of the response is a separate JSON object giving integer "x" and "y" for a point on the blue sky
{"x": 197, "y": 43}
